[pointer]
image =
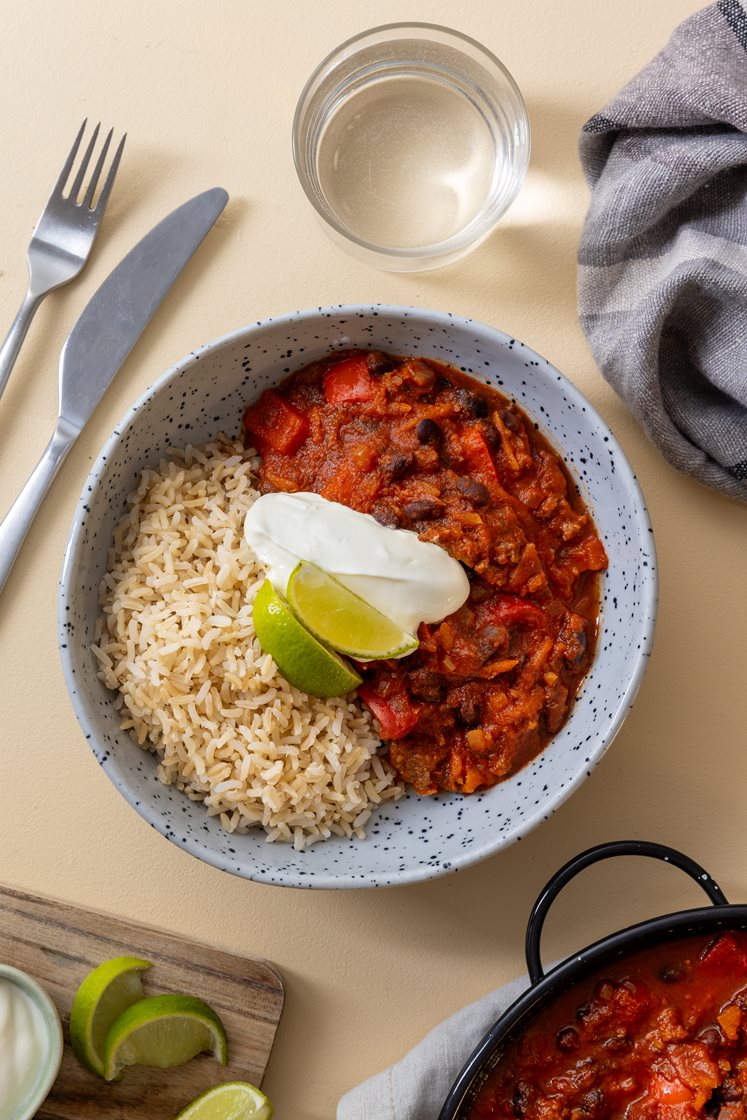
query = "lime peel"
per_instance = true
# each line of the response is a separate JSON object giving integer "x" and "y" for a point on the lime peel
{"x": 163, "y": 1031}
{"x": 341, "y": 619}
{"x": 106, "y": 992}
{"x": 234, "y": 1100}
{"x": 302, "y": 660}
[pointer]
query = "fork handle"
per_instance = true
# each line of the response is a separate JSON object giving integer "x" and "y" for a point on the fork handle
{"x": 16, "y": 334}
{"x": 17, "y": 521}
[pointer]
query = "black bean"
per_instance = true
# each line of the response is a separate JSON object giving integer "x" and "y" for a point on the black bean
{"x": 672, "y": 973}
{"x": 479, "y": 591}
{"x": 474, "y": 405}
{"x": 423, "y": 509}
{"x": 379, "y": 363}
{"x": 730, "y": 1090}
{"x": 509, "y": 419}
{"x": 469, "y": 711}
{"x": 618, "y": 1043}
{"x": 386, "y": 516}
{"x": 395, "y": 466}
{"x": 591, "y": 1103}
{"x": 428, "y": 431}
{"x": 567, "y": 1039}
{"x": 522, "y": 1098}
{"x": 426, "y": 684}
{"x": 491, "y": 435}
{"x": 473, "y": 491}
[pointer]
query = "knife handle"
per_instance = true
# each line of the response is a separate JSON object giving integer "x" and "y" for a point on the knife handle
{"x": 17, "y": 521}
{"x": 16, "y": 334}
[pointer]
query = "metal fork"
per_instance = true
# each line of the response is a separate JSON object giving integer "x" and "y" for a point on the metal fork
{"x": 63, "y": 238}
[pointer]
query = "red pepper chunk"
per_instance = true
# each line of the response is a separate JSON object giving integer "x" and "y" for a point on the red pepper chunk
{"x": 724, "y": 957}
{"x": 391, "y": 706}
{"x": 349, "y": 380}
{"x": 478, "y": 457}
{"x": 668, "y": 1092}
{"x": 512, "y": 609}
{"x": 275, "y": 423}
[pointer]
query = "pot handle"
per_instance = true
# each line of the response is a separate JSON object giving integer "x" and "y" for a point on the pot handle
{"x": 604, "y": 851}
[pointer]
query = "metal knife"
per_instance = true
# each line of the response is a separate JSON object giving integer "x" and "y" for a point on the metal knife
{"x": 98, "y": 344}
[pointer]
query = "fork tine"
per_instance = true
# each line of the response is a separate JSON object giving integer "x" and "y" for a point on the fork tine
{"x": 109, "y": 181}
{"x": 88, "y": 200}
{"x": 78, "y": 181}
{"x": 60, "y": 184}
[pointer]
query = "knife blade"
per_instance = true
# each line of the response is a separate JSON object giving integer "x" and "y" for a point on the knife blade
{"x": 125, "y": 303}
{"x": 98, "y": 344}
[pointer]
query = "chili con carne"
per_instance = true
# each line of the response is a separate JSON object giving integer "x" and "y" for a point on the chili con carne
{"x": 422, "y": 446}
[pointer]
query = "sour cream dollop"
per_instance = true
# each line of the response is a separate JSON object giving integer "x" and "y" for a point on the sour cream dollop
{"x": 408, "y": 580}
{"x": 22, "y": 1045}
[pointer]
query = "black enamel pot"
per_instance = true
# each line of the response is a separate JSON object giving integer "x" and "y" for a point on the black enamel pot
{"x": 544, "y": 989}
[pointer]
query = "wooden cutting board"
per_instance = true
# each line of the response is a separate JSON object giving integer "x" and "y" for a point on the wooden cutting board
{"x": 59, "y": 944}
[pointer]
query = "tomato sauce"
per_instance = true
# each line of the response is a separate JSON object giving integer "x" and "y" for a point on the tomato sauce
{"x": 421, "y": 446}
{"x": 660, "y": 1036}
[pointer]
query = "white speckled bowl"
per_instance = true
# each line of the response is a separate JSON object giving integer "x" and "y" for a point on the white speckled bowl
{"x": 415, "y": 838}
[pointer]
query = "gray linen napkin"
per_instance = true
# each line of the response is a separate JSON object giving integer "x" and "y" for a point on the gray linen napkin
{"x": 415, "y": 1087}
{"x": 663, "y": 255}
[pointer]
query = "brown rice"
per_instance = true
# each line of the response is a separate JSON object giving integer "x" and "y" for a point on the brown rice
{"x": 177, "y": 643}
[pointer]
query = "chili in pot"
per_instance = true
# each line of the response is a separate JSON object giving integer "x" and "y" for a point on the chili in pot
{"x": 647, "y": 1024}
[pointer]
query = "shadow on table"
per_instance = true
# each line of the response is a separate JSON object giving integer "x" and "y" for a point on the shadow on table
{"x": 530, "y": 258}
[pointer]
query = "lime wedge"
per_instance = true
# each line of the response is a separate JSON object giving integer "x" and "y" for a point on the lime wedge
{"x": 235, "y": 1100}
{"x": 163, "y": 1031}
{"x": 102, "y": 997}
{"x": 342, "y": 619}
{"x": 301, "y": 659}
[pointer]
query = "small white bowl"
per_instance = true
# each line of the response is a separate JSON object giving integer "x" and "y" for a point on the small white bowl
{"x": 49, "y": 1066}
{"x": 417, "y": 837}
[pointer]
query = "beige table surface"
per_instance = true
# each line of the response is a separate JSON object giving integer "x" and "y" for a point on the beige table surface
{"x": 207, "y": 91}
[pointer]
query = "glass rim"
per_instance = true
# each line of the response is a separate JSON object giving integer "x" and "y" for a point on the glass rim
{"x": 482, "y": 223}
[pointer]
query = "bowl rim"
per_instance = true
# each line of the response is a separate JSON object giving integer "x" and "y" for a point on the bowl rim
{"x": 467, "y": 857}
{"x": 52, "y": 1061}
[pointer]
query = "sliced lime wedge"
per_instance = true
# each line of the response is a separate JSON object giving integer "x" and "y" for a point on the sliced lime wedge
{"x": 235, "y": 1100}
{"x": 163, "y": 1031}
{"x": 301, "y": 659}
{"x": 102, "y": 997}
{"x": 342, "y": 619}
